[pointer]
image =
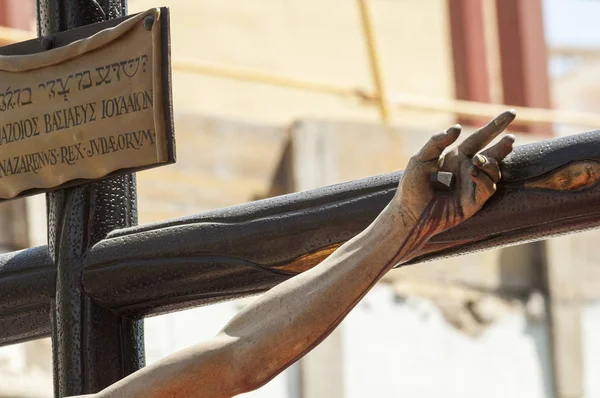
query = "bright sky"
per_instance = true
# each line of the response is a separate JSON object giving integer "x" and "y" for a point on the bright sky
{"x": 572, "y": 22}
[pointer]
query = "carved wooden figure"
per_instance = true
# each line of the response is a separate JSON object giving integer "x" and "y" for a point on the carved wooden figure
{"x": 295, "y": 316}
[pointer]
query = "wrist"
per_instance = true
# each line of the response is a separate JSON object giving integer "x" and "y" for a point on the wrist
{"x": 402, "y": 232}
{"x": 398, "y": 217}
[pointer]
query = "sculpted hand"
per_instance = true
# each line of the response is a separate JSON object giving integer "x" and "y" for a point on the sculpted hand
{"x": 476, "y": 172}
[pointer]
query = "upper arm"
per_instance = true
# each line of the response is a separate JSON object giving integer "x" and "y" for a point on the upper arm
{"x": 207, "y": 370}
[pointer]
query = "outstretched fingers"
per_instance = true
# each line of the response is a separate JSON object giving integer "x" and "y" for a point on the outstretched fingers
{"x": 488, "y": 161}
{"x": 433, "y": 149}
{"x": 501, "y": 149}
{"x": 483, "y": 136}
{"x": 488, "y": 165}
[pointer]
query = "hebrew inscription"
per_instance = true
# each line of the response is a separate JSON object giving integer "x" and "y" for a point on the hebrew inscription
{"x": 84, "y": 110}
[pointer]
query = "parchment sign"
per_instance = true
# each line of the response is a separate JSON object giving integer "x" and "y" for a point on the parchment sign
{"x": 93, "y": 107}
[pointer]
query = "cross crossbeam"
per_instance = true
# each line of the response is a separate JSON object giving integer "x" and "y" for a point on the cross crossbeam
{"x": 101, "y": 274}
{"x": 548, "y": 188}
{"x": 27, "y": 284}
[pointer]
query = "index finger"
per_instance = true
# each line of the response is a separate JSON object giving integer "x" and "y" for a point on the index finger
{"x": 483, "y": 136}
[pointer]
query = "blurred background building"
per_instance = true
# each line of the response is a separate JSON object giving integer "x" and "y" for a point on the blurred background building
{"x": 276, "y": 96}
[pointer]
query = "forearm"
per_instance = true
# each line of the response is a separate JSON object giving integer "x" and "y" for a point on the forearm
{"x": 290, "y": 319}
{"x": 285, "y": 323}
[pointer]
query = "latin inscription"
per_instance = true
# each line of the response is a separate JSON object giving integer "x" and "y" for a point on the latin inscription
{"x": 82, "y": 115}
{"x": 70, "y": 117}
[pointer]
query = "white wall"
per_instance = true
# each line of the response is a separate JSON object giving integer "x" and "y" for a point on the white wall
{"x": 395, "y": 347}
{"x": 591, "y": 349}
{"x": 407, "y": 349}
{"x": 392, "y": 347}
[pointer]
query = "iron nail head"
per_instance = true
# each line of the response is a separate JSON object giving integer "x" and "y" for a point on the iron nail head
{"x": 148, "y": 22}
{"x": 47, "y": 42}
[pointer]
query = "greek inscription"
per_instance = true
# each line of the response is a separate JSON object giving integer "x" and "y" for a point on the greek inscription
{"x": 20, "y": 130}
{"x": 70, "y": 117}
{"x": 74, "y": 116}
{"x": 125, "y": 104}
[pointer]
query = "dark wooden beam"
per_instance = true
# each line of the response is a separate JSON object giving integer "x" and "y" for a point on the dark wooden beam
{"x": 27, "y": 286}
{"x": 92, "y": 346}
{"x": 247, "y": 249}
{"x": 215, "y": 256}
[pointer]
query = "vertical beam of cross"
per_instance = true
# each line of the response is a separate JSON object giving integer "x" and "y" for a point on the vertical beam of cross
{"x": 92, "y": 347}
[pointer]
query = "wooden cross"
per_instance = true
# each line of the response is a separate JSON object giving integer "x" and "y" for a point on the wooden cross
{"x": 100, "y": 274}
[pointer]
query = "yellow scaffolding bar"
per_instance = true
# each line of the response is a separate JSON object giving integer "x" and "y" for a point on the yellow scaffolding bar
{"x": 254, "y": 76}
{"x": 376, "y": 71}
{"x": 468, "y": 109}
{"x": 472, "y": 109}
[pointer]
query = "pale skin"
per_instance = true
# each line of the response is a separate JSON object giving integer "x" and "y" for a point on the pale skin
{"x": 292, "y": 318}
